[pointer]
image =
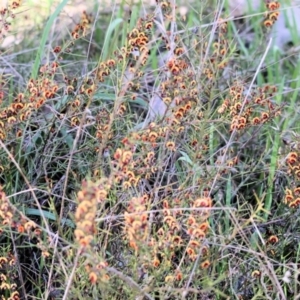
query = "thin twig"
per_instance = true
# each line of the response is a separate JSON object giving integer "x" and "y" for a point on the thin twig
{"x": 70, "y": 280}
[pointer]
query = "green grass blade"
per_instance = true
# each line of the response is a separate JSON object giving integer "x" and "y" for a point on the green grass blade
{"x": 106, "y": 47}
{"x": 45, "y": 35}
{"x": 48, "y": 215}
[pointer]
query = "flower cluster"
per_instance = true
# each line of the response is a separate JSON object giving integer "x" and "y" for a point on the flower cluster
{"x": 257, "y": 109}
{"x": 91, "y": 199}
{"x": 137, "y": 42}
{"x": 104, "y": 69}
{"x": 102, "y": 121}
{"x": 8, "y": 288}
{"x": 97, "y": 272}
{"x": 272, "y": 14}
{"x": 6, "y": 14}
{"x": 123, "y": 166}
{"x": 178, "y": 232}
{"x": 178, "y": 91}
{"x": 151, "y": 136}
{"x": 91, "y": 194}
{"x": 80, "y": 30}
{"x": 197, "y": 226}
{"x": 220, "y": 50}
{"x": 218, "y": 57}
{"x": 293, "y": 163}
{"x": 6, "y": 211}
{"x": 82, "y": 27}
{"x": 39, "y": 91}
{"x": 128, "y": 171}
{"x": 10, "y": 218}
{"x": 292, "y": 195}
{"x": 136, "y": 221}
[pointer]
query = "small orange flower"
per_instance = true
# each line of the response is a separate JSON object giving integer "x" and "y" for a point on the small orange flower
{"x": 204, "y": 226}
{"x": 86, "y": 241}
{"x": 255, "y": 274}
{"x": 292, "y": 158}
{"x": 188, "y": 106}
{"x": 297, "y": 173}
{"x": 203, "y": 202}
{"x": 57, "y": 49}
{"x": 176, "y": 240}
{"x": 297, "y": 191}
{"x": 152, "y": 136}
{"x": 29, "y": 225}
{"x": 75, "y": 35}
{"x": 288, "y": 199}
{"x": 160, "y": 232}
{"x": 178, "y": 51}
{"x": 178, "y": 114}
{"x": 155, "y": 262}
{"x": 102, "y": 265}
{"x": 5, "y": 286}
{"x": 17, "y": 106}
{"x": 11, "y": 120}
{"x": 118, "y": 154}
{"x": 20, "y": 228}
{"x": 171, "y": 146}
{"x": 274, "y": 16}
{"x": 111, "y": 63}
{"x": 191, "y": 220}
{"x": 126, "y": 185}
{"x": 15, "y": 296}
{"x": 93, "y": 278}
{"x": 295, "y": 203}
{"x": 178, "y": 276}
{"x": 273, "y": 239}
{"x": 198, "y": 233}
{"x": 274, "y": 5}
{"x": 265, "y": 116}
{"x": 45, "y": 253}
{"x": 133, "y": 245}
{"x": 205, "y": 264}
{"x": 169, "y": 220}
{"x": 268, "y": 23}
{"x": 3, "y": 260}
{"x": 255, "y": 121}
{"x": 190, "y": 251}
{"x": 194, "y": 244}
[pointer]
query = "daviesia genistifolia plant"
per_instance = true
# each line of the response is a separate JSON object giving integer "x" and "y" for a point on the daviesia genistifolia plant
{"x": 146, "y": 176}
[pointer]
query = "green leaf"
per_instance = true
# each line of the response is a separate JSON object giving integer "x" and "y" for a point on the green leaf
{"x": 48, "y": 215}
{"x": 185, "y": 158}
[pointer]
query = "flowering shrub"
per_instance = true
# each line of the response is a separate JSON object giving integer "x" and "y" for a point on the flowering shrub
{"x": 149, "y": 175}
